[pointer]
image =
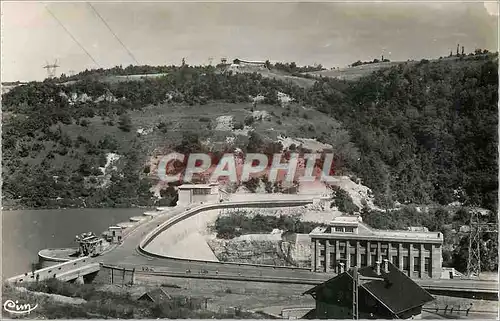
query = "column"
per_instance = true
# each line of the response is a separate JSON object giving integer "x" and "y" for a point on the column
{"x": 410, "y": 259}
{"x": 327, "y": 256}
{"x": 369, "y": 253}
{"x": 422, "y": 261}
{"x": 379, "y": 252}
{"x": 318, "y": 255}
{"x": 358, "y": 254}
{"x": 347, "y": 254}
{"x": 431, "y": 263}
{"x": 313, "y": 255}
{"x": 337, "y": 255}
{"x": 400, "y": 256}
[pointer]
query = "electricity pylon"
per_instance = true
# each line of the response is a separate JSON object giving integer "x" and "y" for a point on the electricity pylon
{"x": 51, "y": 69}
{"x": 475, "y": 239}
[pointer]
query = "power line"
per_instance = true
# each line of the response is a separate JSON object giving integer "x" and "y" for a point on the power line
{"x": 112, "y": 32}
{"x": 72, "y": 37}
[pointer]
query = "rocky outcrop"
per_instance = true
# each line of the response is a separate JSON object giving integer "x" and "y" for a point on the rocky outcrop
{"x": 249, "y": 251}
{"x": 289, "y": 250}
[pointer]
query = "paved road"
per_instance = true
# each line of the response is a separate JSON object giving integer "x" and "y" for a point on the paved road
{"x": 127, "y": 255}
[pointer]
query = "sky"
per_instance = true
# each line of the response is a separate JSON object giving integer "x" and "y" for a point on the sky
{"x": 162, "y": 33}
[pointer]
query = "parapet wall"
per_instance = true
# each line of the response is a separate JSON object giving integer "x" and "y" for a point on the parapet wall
{"x": 51, "y": 257}
{"x": 51, "y": 271}
{"x": 298, "y": 201}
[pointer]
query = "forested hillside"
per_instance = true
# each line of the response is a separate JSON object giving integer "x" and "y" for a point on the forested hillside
{"x": 424, "y": 133}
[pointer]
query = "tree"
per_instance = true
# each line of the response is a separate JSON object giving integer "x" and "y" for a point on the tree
{"x": 190, "y": 144}
{"x": 125, "y": 123}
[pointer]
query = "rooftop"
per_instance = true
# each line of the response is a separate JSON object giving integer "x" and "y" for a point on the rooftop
{"x": 388, "y": 291}
{"x": 193, "y": 186}
{"x": 365, "y": 231}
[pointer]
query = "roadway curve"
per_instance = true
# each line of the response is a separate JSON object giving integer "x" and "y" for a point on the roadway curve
{"x": 132, "y": 254}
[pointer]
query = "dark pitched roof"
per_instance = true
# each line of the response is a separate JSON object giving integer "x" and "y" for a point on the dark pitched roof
{"x": 398, "y": 292}
{"x": 311, "y": 315}
{"x": 157, "y": 295}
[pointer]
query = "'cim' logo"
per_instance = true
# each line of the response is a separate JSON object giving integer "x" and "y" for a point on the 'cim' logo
{"x": 13, "y": 307}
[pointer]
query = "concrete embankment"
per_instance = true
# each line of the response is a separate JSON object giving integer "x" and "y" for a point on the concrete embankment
{"x": 50, "y": 257}
{"x": 187, "y": 240}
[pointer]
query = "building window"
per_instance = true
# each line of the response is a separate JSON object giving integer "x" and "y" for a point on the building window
{"x": 406, "y": 263}
{"x": 349, "y": 229}
{"x": 374, "y": 258}
{"x": 416, "y": 264}
{"x": 339, "y": 229}
{"x": 353, "y": 259}
{"x": 427, "y": 265}
{"x": 332, "y": 260}
{"x": 363, "y": 260}
{"x": 395, "y": 260}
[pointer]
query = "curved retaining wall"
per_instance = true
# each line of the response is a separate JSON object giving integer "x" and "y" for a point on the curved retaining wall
{"x": 45, "y": 259}
{"x": 214, "y": 206}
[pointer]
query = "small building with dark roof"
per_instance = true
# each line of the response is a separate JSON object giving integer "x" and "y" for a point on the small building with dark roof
{"x": 157, "y": 295}
{"x": 383, "y": 293}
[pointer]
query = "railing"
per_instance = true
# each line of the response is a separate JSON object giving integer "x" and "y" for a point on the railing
{"x": 229, "y": 276}
{"x": 205, "y": 207}
{"x": 454, "y": 310}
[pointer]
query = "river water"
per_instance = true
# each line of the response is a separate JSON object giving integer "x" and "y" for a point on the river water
{"x": 25, "y": 232}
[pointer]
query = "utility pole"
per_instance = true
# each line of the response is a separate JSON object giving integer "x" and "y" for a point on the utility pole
{"x": 355, "y": 297}
{"x": 356, "y": 279}
{"x": 475, "y": 239}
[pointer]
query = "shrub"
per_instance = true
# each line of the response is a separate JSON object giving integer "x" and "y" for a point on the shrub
{"x": 249, "y": 120}
{"x": 238, "y": 125}
{"x": 343, "y": 201}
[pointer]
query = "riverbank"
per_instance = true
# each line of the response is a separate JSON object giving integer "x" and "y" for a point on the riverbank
{"x": 26, "y": 232}
{"x": 16, "y": 205}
